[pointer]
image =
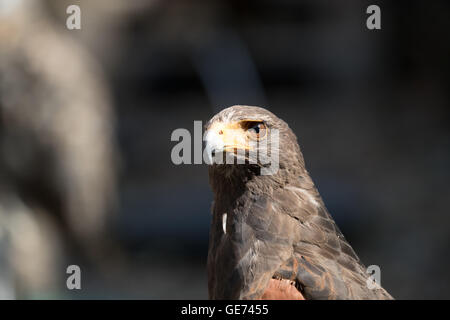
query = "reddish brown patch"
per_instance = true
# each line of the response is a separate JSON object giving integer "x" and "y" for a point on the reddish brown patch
{"x": 281, "y": 290}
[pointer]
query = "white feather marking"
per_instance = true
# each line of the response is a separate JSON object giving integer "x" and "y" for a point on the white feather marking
{"x": 305, "y": 193}
{"x": 224, "y": 223}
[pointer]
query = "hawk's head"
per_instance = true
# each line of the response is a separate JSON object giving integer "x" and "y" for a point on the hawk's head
{"x": 244, "y": 139}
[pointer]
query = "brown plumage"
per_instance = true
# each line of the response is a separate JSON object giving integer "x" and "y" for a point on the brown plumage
{"x": 271, "y": 235}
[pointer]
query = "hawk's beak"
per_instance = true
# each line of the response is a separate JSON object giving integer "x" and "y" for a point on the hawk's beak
{"x": 214, "y": 144}
{"x": 224, "y": 138}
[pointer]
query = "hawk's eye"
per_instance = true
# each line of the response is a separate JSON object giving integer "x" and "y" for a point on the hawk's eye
{"x": 256, "y": 129}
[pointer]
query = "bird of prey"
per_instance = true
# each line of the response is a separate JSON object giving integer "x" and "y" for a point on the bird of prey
{"x": 271, "y": 235}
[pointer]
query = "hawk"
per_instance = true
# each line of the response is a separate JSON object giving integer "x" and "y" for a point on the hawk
{"x": 271, "y": 235}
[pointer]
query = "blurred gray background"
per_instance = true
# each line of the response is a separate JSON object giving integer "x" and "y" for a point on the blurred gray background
{"x": 86, "y": 117}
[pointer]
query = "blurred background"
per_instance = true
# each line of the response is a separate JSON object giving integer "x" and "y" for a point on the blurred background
{"x": 86, "y": 118}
